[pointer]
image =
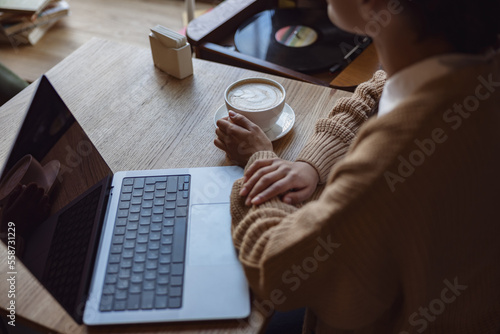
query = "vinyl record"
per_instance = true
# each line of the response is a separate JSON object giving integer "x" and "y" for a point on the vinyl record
{"x": 300, "y": 39}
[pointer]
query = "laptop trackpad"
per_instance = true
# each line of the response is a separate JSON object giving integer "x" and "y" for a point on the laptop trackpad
{"x": 210, "y": 240}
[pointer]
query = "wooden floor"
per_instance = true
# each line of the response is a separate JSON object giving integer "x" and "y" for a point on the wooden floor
{"x": 126, "y": 21}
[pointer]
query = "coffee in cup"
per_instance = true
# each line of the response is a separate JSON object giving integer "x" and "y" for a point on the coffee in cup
{"x": 261, "y": 100}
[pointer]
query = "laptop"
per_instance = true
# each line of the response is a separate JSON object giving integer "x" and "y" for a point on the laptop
{"x": 130, "y": 247}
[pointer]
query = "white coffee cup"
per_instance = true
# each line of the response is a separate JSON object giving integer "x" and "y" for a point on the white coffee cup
{"x": 261, "y": 100}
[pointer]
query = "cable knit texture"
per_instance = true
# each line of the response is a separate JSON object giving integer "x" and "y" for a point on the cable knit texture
{"x": 404, "y": 237}
{"x": 343, "y": 122}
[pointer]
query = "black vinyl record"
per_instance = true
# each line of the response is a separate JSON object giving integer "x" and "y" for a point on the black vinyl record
{"x": 300, "y": 39}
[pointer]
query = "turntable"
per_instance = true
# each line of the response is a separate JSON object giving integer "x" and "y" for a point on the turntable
{"x": 299, "y": 43}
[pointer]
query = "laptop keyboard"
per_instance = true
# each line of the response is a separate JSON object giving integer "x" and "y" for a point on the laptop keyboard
{"x": 145, "y": 267}
{"x": 69, "y": 247}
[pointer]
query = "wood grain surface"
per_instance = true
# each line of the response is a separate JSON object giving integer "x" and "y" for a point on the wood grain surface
{"x": 141, "y": 118}
{"x": 126, "y": 21}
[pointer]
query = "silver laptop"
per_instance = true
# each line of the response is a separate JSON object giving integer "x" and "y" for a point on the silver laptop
{"x": 136, "y": 246}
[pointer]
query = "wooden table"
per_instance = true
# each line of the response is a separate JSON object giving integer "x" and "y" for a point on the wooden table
{"x": 140, "y": 118}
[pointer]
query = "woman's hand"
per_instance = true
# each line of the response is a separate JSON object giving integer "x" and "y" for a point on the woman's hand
{"x": 265, "y": 179}
{"x": 240, "y": 138}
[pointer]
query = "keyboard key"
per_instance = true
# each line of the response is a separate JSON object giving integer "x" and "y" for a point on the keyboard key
{"x": 111, "y": 279}
{"x": 138, "y": 267}
{"x": 144, "y": 229}
{"x": 162, "y": 279}
{"x": 161, "y": 301}
{"x": 139, "y": 183}
{"x": 140, "y": 257}
{"x": 106, "y": 303}
{"x": 174, "y": 302}
{"x": 121, "y": 222}
{"x": 167, "y": 240}
{"x": 148, "y": 285}
{"x": 154, "y": 245}
{"x": 121, "y": 294}
{"x": 177, "y": 268}
{"x": 124, "y": 205}
{"x": 156, "y": 227}
{"x": 161, "y": 185}
{"x": 113, "y": 268}
{"x": 136, "y": 200}
{"x": 175, "y": 292}
{"x": 161, "y": 289}
{"x": 135, "y": 208}
{"x": 146, "y": 212}
{"x": 124, "y": 273}
{"x": 128, "y": 181}
{"x": 133, "y": 301}
{"x": 133, "y": 217}
{"x": 163, "y": 268}
{"x": 151, "y": 264}
{"x": 126, "y": 263}
{"x": 109, "y": 289}
{"x": 165, "y": 258}
{"x": 166, "y": 249}
{"x": 126, "y": 189}
{"x": 149, "y": 188}
{"x": 135, "y": 287}
{"x": 132, "y": 225}
{"x": 118, "y": 239}
{"x": 141, "y": 248}
{"x": 181, "y": 211}
{"x": 176, "y": 280}
{"x": 122, "y": 283}
{"x": 114, "y": 258}
{"x": 120, "y": 305}
{"x": 150, "y": 274}
{"x": 172, "y": 184}
{"x": 182, "y": 201}
{"x": 126, "y": 197}
{"x": 122, "y": 214}
{"x": 136, "y": 278}
{"x": 119, "y": 230}
{"x": 180, "y": 240}
{"x": 160, "y": 193}
{"x": 147, "y": 300}
{"x": 159, "y": 201}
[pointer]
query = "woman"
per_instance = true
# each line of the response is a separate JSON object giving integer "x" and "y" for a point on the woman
{"x": 403, "y": 237}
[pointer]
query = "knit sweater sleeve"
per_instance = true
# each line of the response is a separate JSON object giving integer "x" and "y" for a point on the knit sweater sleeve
{"x": 314, "y": 255}
{"x": 334, "y": 134}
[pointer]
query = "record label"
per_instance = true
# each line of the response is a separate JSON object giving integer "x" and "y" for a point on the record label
{"x": 296, "y": 36}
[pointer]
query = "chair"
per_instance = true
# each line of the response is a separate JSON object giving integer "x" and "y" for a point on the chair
{"x": 10, "y": 84}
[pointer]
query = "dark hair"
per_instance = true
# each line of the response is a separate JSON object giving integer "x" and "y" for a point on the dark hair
{"x": 469, "y": 25}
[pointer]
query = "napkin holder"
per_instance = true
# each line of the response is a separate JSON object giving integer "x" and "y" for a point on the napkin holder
{"x": 171, "y": 55}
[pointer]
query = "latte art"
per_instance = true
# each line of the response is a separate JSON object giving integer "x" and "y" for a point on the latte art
{"x": 254, "y": 96}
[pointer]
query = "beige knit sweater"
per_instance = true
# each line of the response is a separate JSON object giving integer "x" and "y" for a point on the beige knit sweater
{"x": 404, "y": 237}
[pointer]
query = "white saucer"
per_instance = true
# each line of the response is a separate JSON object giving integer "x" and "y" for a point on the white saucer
{"x": 282, "y": 126}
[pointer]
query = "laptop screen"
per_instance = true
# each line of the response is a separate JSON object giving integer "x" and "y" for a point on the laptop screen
{"x": 52, "y": 166}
